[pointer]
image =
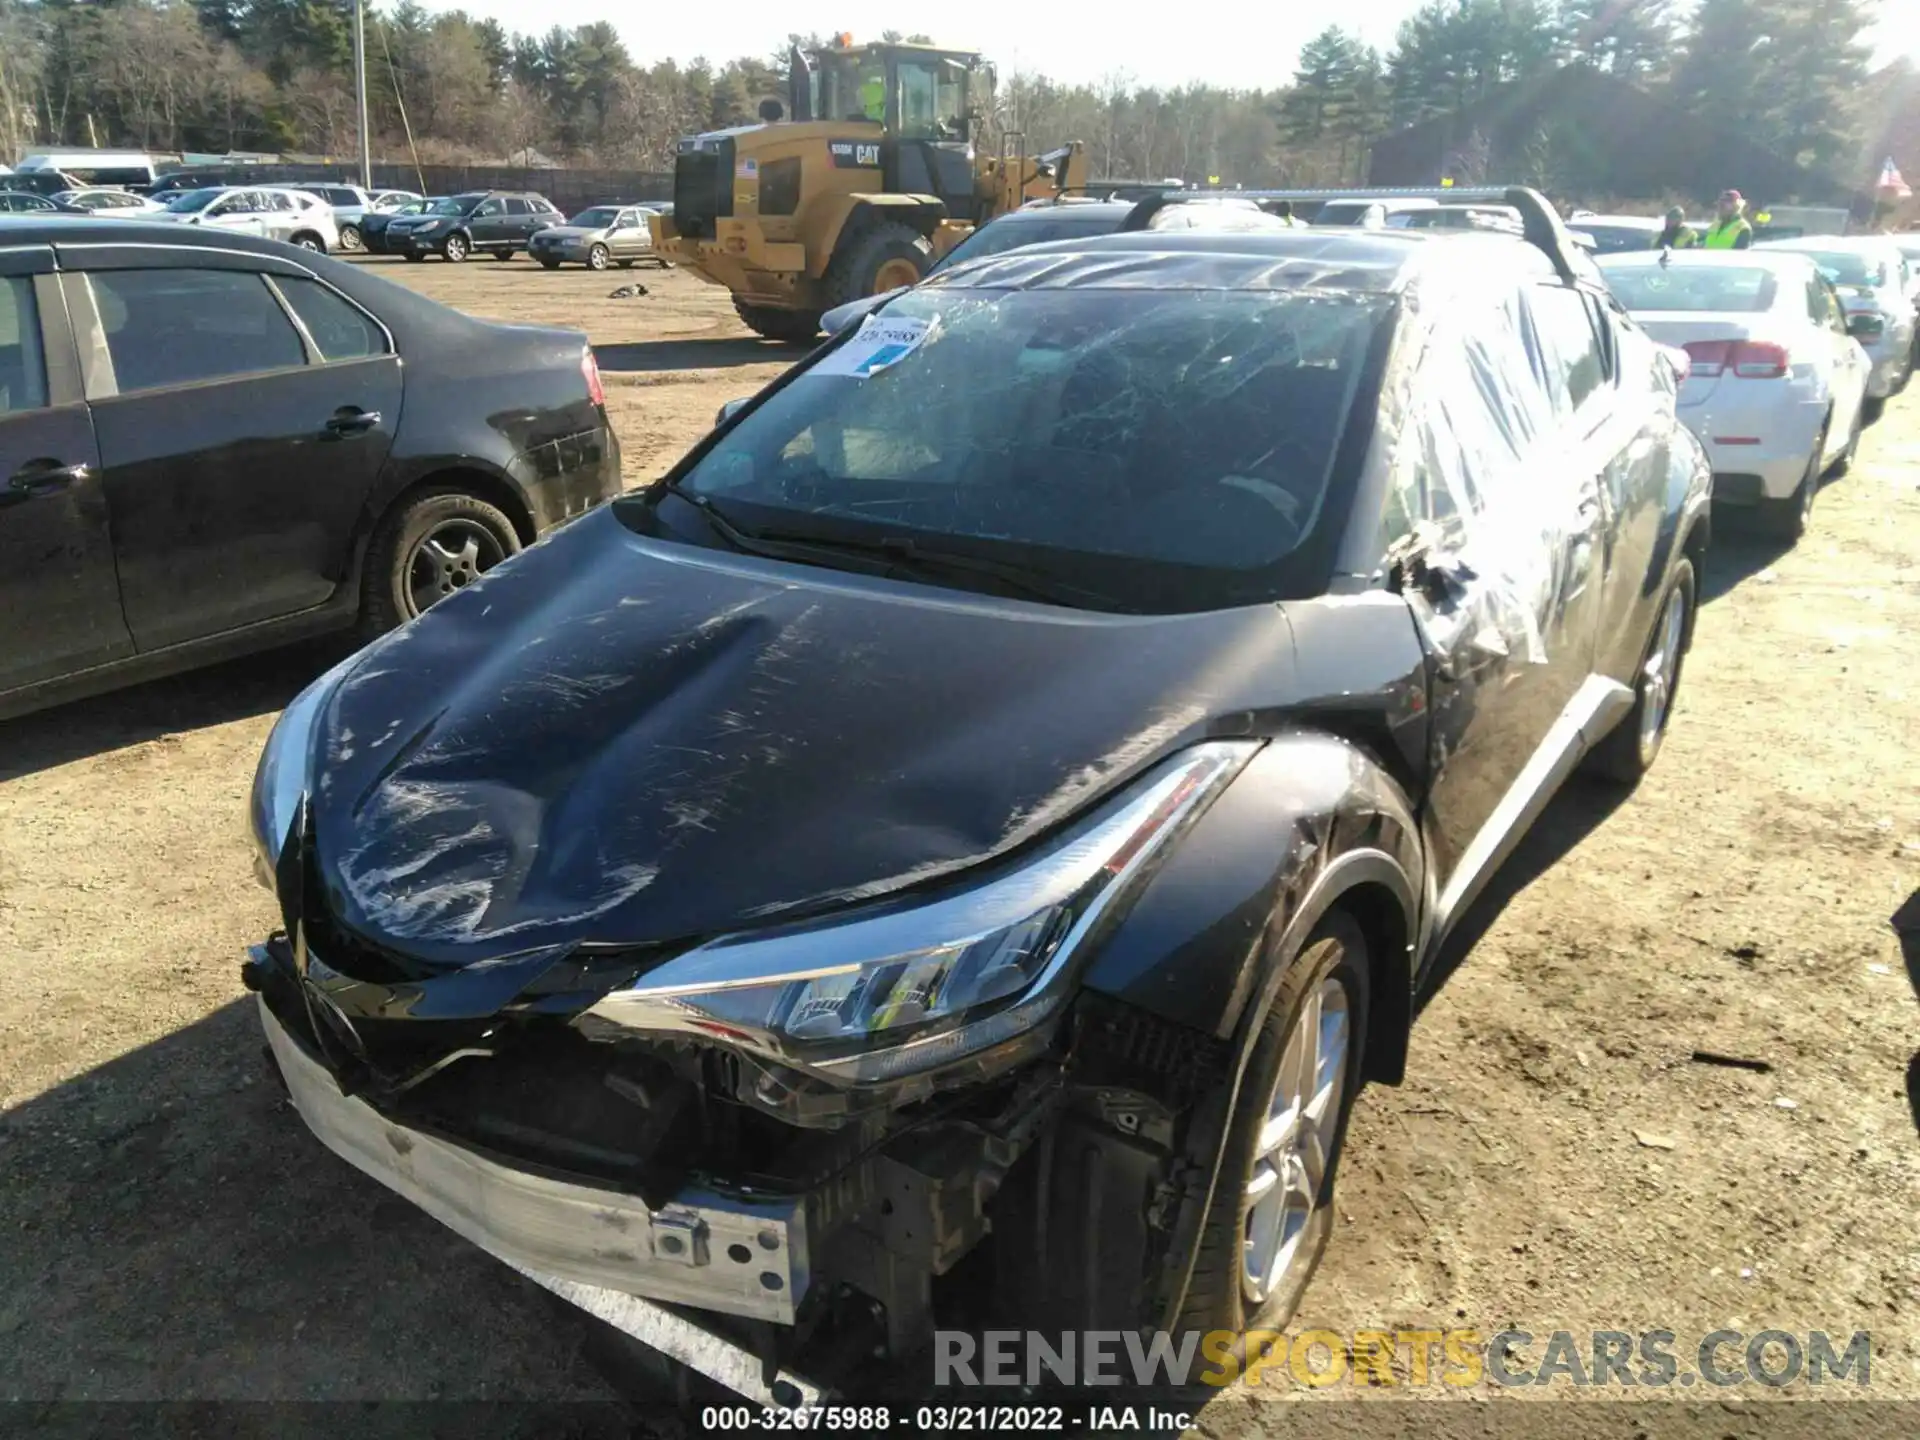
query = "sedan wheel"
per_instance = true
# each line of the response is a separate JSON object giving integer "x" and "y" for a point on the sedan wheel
{"x": 448, "y": 557}
{"x": 434, "y": 543}
{"x": 1630, "y": 748}
{"x": 454, "y": 247}
{"x": 1295, "y": 1147}
{"x": 351, "y": 238}
{"x": 597, "y": 257}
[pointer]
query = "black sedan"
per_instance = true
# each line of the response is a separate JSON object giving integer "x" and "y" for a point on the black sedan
{"x": 1011, "y": 779}
{"x": 210, "y": 444}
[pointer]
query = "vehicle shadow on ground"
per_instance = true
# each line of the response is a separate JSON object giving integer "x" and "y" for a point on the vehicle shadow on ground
{"x": 712, "y": 352}
{"x": 240, "y": 688}
{"x": 169, "y": 1229}
{"x": 1575, "y": 813}
{"x": 1739, "y": 552}
{"x": 1906, "y": 926}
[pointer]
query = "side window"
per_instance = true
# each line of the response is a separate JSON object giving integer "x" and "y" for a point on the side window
{"x": 519, "y": 207}
{"x": 488, "y": 208}
{"x": 341, "y": 332}
{"x": 1570, "y": 347}
{"x": 23, "y": 378}
{"x": 1478, "y": 411}
{"x": 175, "y": 327}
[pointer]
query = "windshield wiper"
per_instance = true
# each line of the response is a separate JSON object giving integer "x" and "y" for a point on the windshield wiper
{"x": 891, "y": 553}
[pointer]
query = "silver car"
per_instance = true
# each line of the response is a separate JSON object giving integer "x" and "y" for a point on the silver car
{"x": 598, "y": 237}
{"x": 1871, "y": 276}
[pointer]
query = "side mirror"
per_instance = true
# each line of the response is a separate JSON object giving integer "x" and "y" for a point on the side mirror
{"x": 729, "y": 410}
{"x": 845, "y": 317}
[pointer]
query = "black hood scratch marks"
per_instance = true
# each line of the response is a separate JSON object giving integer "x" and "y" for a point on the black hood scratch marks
{"x": 647, "y": 743}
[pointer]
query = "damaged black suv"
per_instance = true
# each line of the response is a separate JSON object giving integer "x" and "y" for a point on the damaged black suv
{"x": 995, "y": 801}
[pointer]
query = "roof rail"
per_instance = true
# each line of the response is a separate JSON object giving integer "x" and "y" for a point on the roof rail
{"x": 1539, "y": 222}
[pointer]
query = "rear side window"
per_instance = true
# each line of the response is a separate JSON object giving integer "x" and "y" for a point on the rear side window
{"x": 176, "y": 327}
{"x": 1571, "y": 347}
{"x": 519, "y": 207}
{"x": 339, "y": 330}
{"x": 23, "y": 378}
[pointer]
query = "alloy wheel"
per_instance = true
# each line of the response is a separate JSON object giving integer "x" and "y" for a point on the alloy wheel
{"x": 1295, "y": 1147}
{"x": 1658, "y": 675}
{"x": 597, "y": 257}
{"x": 453, "y": 554}
{"x": 351, "y": 238}
{"x": 456, "y": 248}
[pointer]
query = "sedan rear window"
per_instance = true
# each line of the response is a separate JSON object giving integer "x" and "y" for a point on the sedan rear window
{"x": 1742, "y": 289}
{"x": 1181, "y": 427}
{"x": 1847, "y": 267}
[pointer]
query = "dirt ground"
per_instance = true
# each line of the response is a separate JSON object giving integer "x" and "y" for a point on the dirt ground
{"x": 1556, "y": 1159}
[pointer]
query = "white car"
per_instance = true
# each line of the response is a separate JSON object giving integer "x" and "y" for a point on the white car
{"x": 1777, "y": 389}
{"x": 106, "y": 201}
{"x": 278, "y": 212}
{"x": 351, "y": 204}
{"x": 1871, "y": 275}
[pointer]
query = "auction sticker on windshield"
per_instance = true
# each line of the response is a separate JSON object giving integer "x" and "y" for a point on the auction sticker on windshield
{"x": 878, "y": 344}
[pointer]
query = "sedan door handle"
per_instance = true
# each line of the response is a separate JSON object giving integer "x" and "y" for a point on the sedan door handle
{"x": 352, "y": 422}
{"x": 41, "y": 477}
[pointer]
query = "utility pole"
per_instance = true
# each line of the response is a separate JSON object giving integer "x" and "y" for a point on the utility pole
{"x": 360, "y": 91}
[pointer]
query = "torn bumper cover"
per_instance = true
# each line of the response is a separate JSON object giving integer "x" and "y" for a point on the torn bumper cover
{"x": 705, "y": 1250}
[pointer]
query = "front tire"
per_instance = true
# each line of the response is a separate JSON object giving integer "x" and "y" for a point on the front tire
{"x": 1872, "y": 408}
{"x": 506, "y": 254}
{"x": 549, "y": 264}
{"x": 307, "y": 240}
{"x": 426, "y": 548}
{"x": 597, "y": 257}
{"x": 790, "y": 327}
{"x": 882, "y": 257}
{"x": 1630, "y": 748}
{"x": 351, "y": 240}
{"x": 454, "y": 249}
{"x": 1272, "y": 1207}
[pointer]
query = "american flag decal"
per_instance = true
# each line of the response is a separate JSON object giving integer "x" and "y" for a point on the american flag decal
{"x": 1892, "y": 184}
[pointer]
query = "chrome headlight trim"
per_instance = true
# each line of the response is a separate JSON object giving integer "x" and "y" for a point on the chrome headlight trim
{"x": 951, "y": 975}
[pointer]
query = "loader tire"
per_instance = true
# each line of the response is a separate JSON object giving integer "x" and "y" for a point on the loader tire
{"x": 882, "y": 256}
{"x": 791, "y": 327}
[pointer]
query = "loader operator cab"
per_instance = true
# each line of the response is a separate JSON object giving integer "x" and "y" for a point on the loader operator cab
{"x": 917, "y": 92}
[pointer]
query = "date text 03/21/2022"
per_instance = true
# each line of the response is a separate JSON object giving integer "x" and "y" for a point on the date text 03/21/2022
{"x": 954, "y": 1419}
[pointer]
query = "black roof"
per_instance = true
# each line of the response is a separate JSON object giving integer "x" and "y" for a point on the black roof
{"x": 1364, "y": 261}
{"x": 85, "y": 230}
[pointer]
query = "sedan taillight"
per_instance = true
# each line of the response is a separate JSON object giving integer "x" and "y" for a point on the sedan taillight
{"x": 590, "y": 371}
{"x": 1749, "y": 359}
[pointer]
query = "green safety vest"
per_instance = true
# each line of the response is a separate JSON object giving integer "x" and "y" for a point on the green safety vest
{"x": 1682, "y": 241}
{"x": 873, "y": 99}
{"x": 1725, "y": 234}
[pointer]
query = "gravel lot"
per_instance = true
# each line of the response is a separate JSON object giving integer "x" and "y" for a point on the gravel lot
{"x": 168, "y": 1230}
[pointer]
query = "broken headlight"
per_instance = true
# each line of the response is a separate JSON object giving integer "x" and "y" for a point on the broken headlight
{"x": 285, "y": 771}
{"x": 906, "y": 987}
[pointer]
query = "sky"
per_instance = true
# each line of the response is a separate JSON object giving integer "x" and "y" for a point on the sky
{"x": 1147, "y": 44}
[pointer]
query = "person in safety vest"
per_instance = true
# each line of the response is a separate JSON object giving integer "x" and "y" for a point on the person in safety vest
{"x": 1730, "y": 230}
{"x": 1677, "y": 235}
{"x": 1283, "y": 212}
{"x": 873, "y": 95}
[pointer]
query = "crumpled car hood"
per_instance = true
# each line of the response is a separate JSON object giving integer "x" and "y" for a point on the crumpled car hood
{"x": 621, "y": 740}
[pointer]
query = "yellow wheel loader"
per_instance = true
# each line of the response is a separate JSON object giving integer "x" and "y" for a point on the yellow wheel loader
{"x": 872, "y": 176}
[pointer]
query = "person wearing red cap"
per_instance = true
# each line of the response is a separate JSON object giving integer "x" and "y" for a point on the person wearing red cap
{"x": 1730, "y": 230}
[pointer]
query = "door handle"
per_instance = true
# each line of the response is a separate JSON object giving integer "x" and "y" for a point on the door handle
{"x": 352, "y": 422}
{"x": 42, "y": 477}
